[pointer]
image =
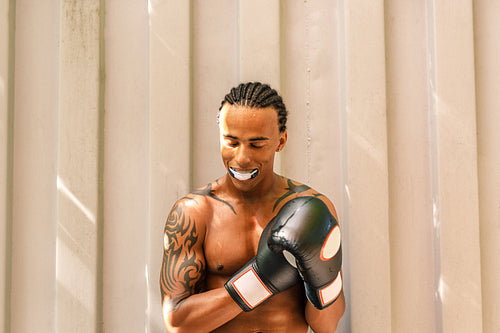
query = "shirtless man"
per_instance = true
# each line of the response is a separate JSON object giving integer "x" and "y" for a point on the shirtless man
{"x": 214, "y": 231}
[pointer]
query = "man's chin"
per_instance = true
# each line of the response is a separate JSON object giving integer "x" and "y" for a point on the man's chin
{"x": 244, "y": 185}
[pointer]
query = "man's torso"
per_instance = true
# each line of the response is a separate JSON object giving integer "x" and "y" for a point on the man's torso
{"x": 232, "y": 232}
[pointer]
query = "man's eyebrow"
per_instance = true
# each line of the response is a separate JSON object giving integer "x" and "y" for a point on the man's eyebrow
{"x": 260, "y": 138}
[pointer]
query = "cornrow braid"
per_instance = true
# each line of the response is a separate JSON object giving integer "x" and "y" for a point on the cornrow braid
{"x": 257, "y": 95}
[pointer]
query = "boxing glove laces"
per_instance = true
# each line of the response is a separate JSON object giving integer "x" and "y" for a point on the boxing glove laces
{"x": 309, "y": 235}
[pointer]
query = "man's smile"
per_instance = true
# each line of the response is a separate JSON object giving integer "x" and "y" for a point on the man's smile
{"x": 243, "y": 175}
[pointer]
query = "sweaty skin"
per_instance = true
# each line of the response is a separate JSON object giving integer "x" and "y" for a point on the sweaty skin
{"x": 213, "y": 231}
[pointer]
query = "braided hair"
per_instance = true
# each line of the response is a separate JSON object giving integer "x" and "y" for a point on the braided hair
{"x": 257, "y": 95}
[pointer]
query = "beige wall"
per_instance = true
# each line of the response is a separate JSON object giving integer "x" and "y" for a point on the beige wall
{"x": 107, "y": 116}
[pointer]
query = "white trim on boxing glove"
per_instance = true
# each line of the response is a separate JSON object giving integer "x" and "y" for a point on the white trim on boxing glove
{"x": 332, "y": 291}
{"x": 250, "y": 288}
{"x": 331, "y": 245}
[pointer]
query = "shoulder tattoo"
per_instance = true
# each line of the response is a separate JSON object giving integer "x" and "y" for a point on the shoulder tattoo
{"x": 294, "y": 189}
{"x": 208, "y": 192}
{"x": 182, "y": 271}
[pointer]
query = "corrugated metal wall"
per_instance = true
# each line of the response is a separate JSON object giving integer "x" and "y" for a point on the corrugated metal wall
{"x": 108, "y": 115}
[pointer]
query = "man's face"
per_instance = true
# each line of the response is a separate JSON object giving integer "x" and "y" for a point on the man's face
{"x": 249, "y": 138}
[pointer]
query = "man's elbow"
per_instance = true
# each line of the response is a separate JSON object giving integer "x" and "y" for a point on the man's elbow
{"x": 171, "y": 321}
{"x": 174, "y": 326}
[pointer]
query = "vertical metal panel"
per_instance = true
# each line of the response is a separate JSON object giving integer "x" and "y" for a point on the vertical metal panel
{"x": 456, "y": 166}
{"x": 259, "y": 41}
{"x": 411, "y": 228}
{"x": 311, "y": 92}
{"x": 293, "y": 63}
{"x": 368, "y": 171}
{"x": 6, "y": 94}
{"x": 126, "y": 165}
{"x": 170, "y": 134}
{"x": 486, "y": 32}
{"x": 322, "y": 104}
{"x": 35, "y": 163}
{"x": 78, "y": 229}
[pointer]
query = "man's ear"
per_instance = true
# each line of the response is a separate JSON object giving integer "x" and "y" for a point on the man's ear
{"x": 283, "y": 138}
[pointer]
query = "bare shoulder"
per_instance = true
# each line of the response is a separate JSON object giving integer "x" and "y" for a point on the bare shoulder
{"x": 184, "y": 266}
{"x": 197, "y": 209}
{"x": 294, "y": 189}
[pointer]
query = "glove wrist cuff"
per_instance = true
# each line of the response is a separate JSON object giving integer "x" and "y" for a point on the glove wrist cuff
{"x": 247, "y": 289}
{"x": 326, "y": 295}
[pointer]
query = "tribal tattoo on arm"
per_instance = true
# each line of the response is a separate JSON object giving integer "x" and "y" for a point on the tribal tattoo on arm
{"x": 183, "y": 268}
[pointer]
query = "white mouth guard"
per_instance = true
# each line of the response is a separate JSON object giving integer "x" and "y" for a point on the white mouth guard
{"x": 243, "y": 175}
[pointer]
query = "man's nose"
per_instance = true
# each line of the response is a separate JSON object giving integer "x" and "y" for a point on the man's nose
{"x": 243, "y": 156}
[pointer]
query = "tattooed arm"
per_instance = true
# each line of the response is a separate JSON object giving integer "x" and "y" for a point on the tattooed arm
{"x": 186, "y": 307}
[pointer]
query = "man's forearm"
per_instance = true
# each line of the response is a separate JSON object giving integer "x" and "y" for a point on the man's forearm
{"x": 201, "y": 312}
{"x": 326, "y": 320}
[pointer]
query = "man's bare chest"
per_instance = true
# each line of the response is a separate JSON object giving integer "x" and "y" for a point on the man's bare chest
{"x": 231, "y": 240}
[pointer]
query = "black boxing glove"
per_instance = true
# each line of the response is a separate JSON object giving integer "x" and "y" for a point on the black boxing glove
{"x": 267, "y": 274}
{"x": 307, "y": 230}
